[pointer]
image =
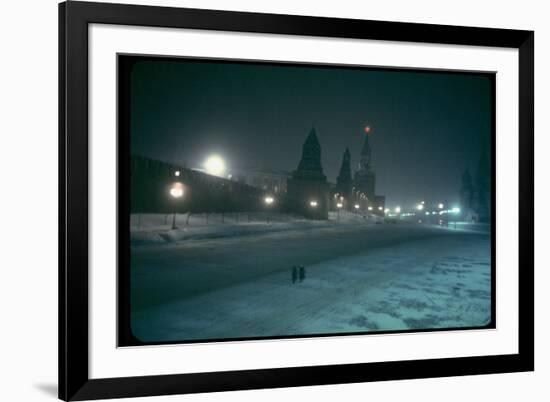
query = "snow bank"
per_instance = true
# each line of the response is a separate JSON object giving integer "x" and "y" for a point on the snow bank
{"x": 156, "y": 228}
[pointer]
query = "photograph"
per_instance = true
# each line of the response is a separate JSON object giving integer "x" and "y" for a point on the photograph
{"x": 272, "y": 200}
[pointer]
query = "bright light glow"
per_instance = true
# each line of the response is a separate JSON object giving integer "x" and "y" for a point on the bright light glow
{"x": 440, "y": 206}
{"x": 455, "y": 210}
{"x": 269, "y": 200}
{"x": 427, "y": 213}
{"x": 339, "y": 205}
{"x": 177, "y": 173}
{"x": 176, "y": 190}
{"x": 397, "y": 209}
{"x": 356, "y": 206}
{"x": 370, "y": 208}
{"x": 422, "y": 202}
{"x": 380, "y": 208}
{"x": 313, "y": 203}
{"x": 433, "y": 213}
{"x": 420, "y": 207}
{"x": 214, "y": 165}
{"x": 387, "y": 210}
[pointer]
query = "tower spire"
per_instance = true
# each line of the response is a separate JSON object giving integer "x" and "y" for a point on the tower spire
{"x": 307, "y": 189}
{"x": 365, "y": 163}
{"x": 310, "y": 163}
{"x": 345, "y": 168}
{"x": 344, "y": 181}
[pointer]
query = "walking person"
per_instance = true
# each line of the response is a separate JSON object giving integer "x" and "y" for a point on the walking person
{"x": 302, "y": 274}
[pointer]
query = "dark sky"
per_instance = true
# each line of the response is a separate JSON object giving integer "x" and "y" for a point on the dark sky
{"x": 427, "y": 126}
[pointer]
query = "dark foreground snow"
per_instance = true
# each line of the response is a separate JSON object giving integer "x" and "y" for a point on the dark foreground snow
{"x": 358, "y": 278}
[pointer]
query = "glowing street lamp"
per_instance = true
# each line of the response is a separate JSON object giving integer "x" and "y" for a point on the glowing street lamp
{"x": 176, "y": 191}
{"x": 455, "y": 211}
{"x": 380, "y": 208}
{"x": 356, "y": 206}
{"x": 369, "y": 208}
{"x": 313, "y": 204}
{"x": 397, "y": 210}
{"x": 177, "y": 173}
{"x": 420, "y": 207}
{"x": 268, "y": 201}
{"x": 440, "y": 206}
{"x": 339, "y": 205}
{"x": 386, "y": 210}
{"x": 214, "y": 165}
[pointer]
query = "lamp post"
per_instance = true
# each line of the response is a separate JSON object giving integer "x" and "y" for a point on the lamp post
{"x": 455, "y": 211}
{"x": 268, "y": 201}
{"x": 176, "y": 191}
{"x": 313, "y": 205}
{"x": 339, "y": 206}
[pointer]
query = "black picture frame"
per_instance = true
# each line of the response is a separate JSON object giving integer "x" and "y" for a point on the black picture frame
{"x": 74, "y": 380}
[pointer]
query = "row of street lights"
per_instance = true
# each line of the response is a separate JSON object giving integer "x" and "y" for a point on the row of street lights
{"x": 422, "y": 206}
{"x": 177, "y": 192}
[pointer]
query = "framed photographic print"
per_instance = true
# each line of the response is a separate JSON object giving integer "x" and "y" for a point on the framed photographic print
{"x": 256, "y": 200}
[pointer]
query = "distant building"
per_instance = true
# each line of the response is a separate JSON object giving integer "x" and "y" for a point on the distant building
{"x": 308, "y": 190}
{"x": 272, "y": 181}
{"x": 475, "y": 196}
{"x": 344, "y": 183}
{"x": 467, "y": 196}
{"x": 483, "y": 188}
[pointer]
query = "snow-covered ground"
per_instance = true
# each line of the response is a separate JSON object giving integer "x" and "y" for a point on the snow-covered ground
{"x": 359, "y": 277}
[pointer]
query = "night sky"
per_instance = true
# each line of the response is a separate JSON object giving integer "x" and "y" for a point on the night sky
{"x": 427, "y": 127}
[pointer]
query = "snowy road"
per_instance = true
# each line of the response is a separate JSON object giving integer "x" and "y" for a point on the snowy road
{"x": 358, "y": 278}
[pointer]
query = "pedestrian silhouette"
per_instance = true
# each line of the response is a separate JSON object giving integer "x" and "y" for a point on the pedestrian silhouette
{"x": 302, "y": 274}
{"x": 294, "y": 274}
